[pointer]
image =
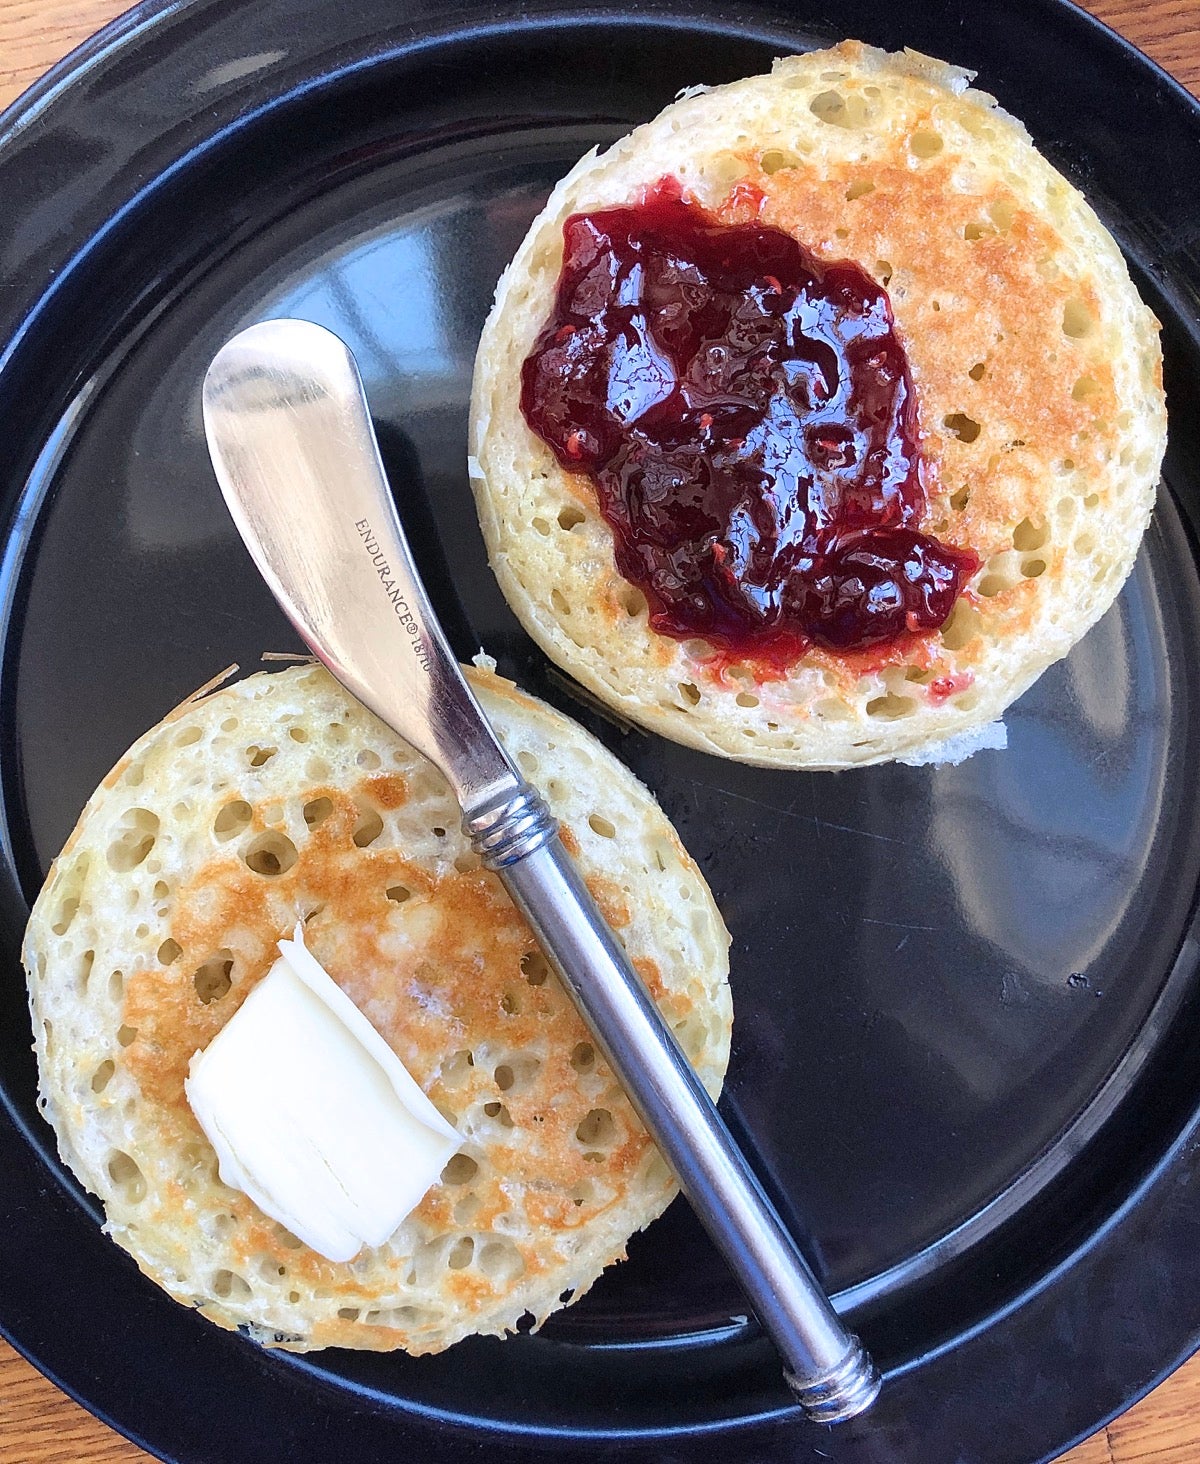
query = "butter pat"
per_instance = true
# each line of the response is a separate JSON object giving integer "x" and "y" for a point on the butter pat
{"x": 313, "y": 1115}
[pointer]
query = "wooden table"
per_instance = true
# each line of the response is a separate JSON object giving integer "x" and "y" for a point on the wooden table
{"x": 38, "y": 1424}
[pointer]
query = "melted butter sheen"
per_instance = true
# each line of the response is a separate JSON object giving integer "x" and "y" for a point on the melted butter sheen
{"x": 747, "y": 417}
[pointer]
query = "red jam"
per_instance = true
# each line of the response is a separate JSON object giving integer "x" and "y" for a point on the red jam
{"x": 747, "y": 417}
{"x": 948, "y": 686}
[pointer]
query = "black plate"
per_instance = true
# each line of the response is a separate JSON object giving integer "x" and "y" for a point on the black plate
{"x": 968, "y": 1000}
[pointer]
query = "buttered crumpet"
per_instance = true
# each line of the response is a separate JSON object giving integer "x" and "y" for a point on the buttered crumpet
{"x": 816, "y": 417}
{"x": 277, "y": 801}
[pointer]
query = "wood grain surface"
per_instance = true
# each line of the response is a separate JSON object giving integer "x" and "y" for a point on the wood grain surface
{"x": 40, "y": 1425}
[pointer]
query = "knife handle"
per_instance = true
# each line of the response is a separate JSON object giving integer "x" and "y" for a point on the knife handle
{"x": 825, "y": 1366}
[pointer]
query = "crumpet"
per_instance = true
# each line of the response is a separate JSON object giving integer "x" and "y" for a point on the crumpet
{"x": 1037, "y": 373}
{"x": 280, "y": 799}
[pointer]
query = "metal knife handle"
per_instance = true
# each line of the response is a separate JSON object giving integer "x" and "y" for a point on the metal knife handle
{"x": 296, "y": 457}
{"x": 825, "y": 1366}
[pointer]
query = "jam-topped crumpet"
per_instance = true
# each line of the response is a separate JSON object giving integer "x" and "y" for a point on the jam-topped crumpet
{"x": 279, "y": 810}
{"x": 816, "y": 417}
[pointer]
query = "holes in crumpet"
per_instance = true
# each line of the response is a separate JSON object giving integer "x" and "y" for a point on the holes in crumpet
{"x": 633, "y": 602}
{"x": 690, "y": 693}
{"x": 136, "y": 834}
{"x": 840, "y": 110}
{"x": 776, "y": 159}
{"x": 831, "y": 710}
{"x": 1078, "y": 320}
{"x": 457, "y": 1068}
{"x": 600, "y": 825}
{"x": 317, "y": 810}
{"x": 501, "y": 1261}
{"x": 978, "y": 371}
{"x": 66, "y": 914}
{"x": 965, "y": 428}
{"x": 229, "y": 1286}
{"x": 828, "y": 106}
{"x": 498, "y": 1112}
{"x": 891, "y": 707}
{"x": 271, "y": 854}
{"x": 213, "y": 979}
{"x": 127, "y": 1178}
{"x": 518, "y": 1072}
{"x": 102, "y": 1075}
{"x": 460, "y": 1169}
{"x": 1003, "y": 214}
{"x": 964, "y": 625}
{"x": 1028, "y": 536}
{"x": 925, "y": 143}
{"x": 232, "y": 819}
{"x": 369, "y": 825}
{"x": 398, "y": 893}
{"x": 722, "y": 170}
{"x": 259, "y": 756}
{"x": 569, "y": 517}
{"x": 169, "y": 951}
{"x": 460, "y": 1253}
{"x": 583, "y": 1057}
{"x": 535, "y": 968}
{"x": 597, "y": 1130}
{"x": 1086, "y": 388}
{"x": 859, "y": 189}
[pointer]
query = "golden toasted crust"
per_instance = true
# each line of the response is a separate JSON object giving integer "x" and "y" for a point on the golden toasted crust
{"x": 1038, "y": 378}
{"x": 281, "y": 799}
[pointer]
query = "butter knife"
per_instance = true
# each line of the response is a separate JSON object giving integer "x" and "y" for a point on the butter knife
{"x": 296, "y": 457}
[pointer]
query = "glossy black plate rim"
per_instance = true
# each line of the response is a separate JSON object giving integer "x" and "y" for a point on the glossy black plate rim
{"x": 1154, "y": 1224}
